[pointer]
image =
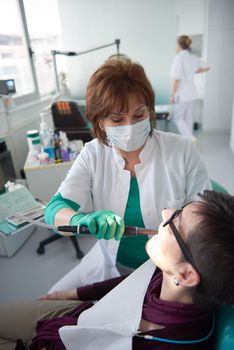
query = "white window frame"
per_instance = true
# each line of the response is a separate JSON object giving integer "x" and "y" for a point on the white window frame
{"x": 35, "y": 95}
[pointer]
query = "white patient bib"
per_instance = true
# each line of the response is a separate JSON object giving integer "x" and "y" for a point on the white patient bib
{"x": 112, "y": 322}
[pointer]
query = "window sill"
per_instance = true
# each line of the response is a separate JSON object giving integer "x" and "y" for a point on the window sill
{"x": 31, "y": 104}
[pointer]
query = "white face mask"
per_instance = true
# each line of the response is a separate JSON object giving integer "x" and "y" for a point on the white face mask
{"x": 129, "y": 137}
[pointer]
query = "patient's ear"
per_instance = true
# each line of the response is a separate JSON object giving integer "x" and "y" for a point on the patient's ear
{"x": 188, "y": 276}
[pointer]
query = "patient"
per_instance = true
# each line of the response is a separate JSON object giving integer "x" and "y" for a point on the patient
{"x": 193, "y": 252}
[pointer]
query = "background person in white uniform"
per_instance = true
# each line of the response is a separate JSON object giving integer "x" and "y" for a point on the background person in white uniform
{"x": 184, "y": 66}
{"x": 126, "y": 175}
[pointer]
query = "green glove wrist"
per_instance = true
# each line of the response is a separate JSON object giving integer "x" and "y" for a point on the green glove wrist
{"x": 74, "y": 221}
{"x": 102, "y": 224}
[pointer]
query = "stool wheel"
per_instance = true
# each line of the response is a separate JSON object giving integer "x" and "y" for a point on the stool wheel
{"x": 80, "y": 254}
{"x": 41, "y": 250}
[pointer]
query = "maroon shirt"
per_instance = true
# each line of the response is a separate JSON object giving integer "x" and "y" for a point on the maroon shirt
{"x": 181, "y": 321}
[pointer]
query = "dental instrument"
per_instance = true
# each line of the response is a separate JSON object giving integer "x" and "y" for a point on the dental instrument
{"x": 80, "y": 229}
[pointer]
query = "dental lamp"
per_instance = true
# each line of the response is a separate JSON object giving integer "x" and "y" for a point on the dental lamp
{"x": 72, "y": 53}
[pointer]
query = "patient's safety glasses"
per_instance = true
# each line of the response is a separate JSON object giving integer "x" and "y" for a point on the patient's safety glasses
{"x": 184, "y": 248}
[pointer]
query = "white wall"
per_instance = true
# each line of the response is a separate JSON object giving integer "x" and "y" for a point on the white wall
{"x": 220, "y": 55}
{"x": 146, "y": 30}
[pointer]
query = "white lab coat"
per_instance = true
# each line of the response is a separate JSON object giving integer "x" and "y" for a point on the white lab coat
{"x": 112, "y": 322}
{"x": 183, "y": 68}
{"x": 170, "y": 174}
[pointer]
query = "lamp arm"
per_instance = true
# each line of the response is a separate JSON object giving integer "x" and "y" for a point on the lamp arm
{"x": 73, "y": 53}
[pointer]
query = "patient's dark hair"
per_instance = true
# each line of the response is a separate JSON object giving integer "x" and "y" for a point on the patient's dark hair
{"x": 212, "y": 245}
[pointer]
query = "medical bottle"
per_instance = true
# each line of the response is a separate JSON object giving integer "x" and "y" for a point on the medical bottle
{"x": 57, "y": 150}
{"x": 45, "y": 136}
{"x": 64, "y": 145}
{"x": 34, "y": 142}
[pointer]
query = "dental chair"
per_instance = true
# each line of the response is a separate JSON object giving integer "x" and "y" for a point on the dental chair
{"x": 224, "y": 328}
{"x": 217, "y": 187}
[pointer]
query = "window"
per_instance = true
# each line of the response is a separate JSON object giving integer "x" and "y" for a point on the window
{"x": 14, "y": 58}
{"x": 44, "y": 30}
{"x": 29, "y": 30}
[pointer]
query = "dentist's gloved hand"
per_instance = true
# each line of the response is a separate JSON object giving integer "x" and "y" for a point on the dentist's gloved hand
{"x": 102, "y": 224}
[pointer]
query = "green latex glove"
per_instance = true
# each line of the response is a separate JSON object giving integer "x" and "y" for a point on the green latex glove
{"x": 102, "y": 224}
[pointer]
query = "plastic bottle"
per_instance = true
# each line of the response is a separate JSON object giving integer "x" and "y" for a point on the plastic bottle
{"x": 64, "y": 143}
{"x": 43, "y": 158}
{"x": 57, "y": 150}
{"x": 45, "y": 136}
{"x": 34, "y": 143}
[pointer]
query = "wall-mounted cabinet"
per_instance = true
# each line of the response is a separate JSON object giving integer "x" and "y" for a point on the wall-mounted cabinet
{"x": 190, "y": 17}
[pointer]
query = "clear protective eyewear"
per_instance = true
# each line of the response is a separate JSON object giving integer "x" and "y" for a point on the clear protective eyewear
{"x": 183, "y": 246}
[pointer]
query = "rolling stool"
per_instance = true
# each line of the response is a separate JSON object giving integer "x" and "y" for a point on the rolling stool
{"x": 55, "y": 237}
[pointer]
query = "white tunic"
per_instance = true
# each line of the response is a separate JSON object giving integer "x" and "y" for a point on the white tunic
{"x": 183, "y": 68}
{"x": 170, "y": 174}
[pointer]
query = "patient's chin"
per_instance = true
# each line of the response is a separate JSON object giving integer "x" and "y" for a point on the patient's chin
{"x": 150, "y": 249}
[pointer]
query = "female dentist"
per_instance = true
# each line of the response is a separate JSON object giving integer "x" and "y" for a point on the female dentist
{"x": 184, "y": 66}
{"x": 127, "y": 174}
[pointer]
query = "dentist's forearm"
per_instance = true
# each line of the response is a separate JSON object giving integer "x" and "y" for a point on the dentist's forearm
{"x": 59, "y": 212}
{"x": 63, "y": 216}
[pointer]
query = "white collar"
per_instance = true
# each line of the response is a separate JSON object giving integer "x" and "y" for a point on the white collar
{"x": 183, "y": 52}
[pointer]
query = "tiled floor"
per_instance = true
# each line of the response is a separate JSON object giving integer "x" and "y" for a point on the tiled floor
{"x": 28, "y": 275}
{"x": 218, "y": 157}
